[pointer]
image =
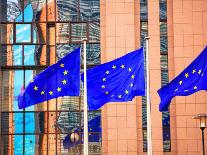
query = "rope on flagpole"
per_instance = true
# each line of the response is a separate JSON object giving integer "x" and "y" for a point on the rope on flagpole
{"x": 149, "y": 126}
{"x": 85, "y": 101}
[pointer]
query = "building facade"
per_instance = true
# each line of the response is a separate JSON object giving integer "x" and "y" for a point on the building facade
{"x": 37, "y": 33}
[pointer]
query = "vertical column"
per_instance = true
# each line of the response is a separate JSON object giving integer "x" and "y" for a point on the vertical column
{"x": 119, "y": 120}
{"x": 189, "y": 24}
{"x": 154, "y": 65}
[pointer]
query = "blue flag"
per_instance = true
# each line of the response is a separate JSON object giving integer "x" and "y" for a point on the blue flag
{"x": 191, "y": 80}
{"x": 116, "y": 81}
{"x": 60, "y": 79}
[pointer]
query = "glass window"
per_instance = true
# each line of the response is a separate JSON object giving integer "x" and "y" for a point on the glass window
{"x": 89, "y": 10}
{"x": 143, "y": 11}
{"x": 78, "y": 32}
{"x": 163, "y": 10}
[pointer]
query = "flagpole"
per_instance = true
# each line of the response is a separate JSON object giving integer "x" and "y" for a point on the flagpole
{"x": 149, "y": 126}
{"x": 85, "y": 101}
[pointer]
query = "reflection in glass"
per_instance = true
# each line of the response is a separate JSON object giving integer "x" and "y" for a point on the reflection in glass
{"x": 163, "y": 44}
{"x": 78, "y": 31}
{"x": 94, "y": 32}
{"x": 163, "y": 10}
{"x": 143, "y": 11}
{"x": 90, "y": 10}
{"x": 67, "y": 10}
{"x": 63, "y": 33}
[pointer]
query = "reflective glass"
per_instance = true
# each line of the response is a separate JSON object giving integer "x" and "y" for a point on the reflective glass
{"x": 143, "y": 11}
{"x": 163, "y": 44}
{"x": 164, "y": 62}
{"x": 163, "y": 10}
{"x": 94, "y": 32}
{"x": 89, "y": 10}
{"x": 78, "y": 32}
{"x": 63, "y": 32}
{"x": 67, "y": 10}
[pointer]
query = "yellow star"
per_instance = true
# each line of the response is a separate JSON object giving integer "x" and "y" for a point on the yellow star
{"x": 62, "y": 65}
{"x": 32, "y": 81}
{"x": 59, "y": 89}
{"x": 176, "y": 89}
{"x": 180, "y": 82}
{"x": 106, "y": 92}
{"x": 64, "y": 81}
{"x": 42, "y": 92}
{"x": 185, "y": 90}
{"x": 186, "y": 75}
{"x": 126, "y": 91}
{"x": 195, "y": 87}
{"x": 114, "y": 67}
{"x": 51, "y": 93}
{"x": 130, "y": 69}
{"x": 104, "y": 79}
{"x": 103, "y": 86}
{"x": 131, "y": 85}
{"x": 122, "y": 66}
{"x": 35, "y": 88}
{"x": 65, "y": 72}
{"x": 107, "y": 72}
{"x": 132, "y": 76}
{"x": 119, "y": 96}
{"x": 199, "y": 72}
{"x": 194, "y": 71}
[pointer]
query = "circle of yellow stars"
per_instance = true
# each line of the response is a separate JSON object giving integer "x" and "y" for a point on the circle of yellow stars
{"x": 107, "y": 72}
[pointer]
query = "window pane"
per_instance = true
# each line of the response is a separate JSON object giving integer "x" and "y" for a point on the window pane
{"x": 144, "y": 33}
{"x": 78, "y": 32}
{"x": 23, "y": 33}
{"x": 89, "y": 10}
{"x": 69, "y": 122}
{"x": 67, "y": 10}
{"x": 143, "y": 11}
{"x": 163, "y": 10}
{"x": 62, "y": 33}
{"x": 6, "y": 55}
{"x": 164, "y": 62}
{"x": 164, "y": 77}
{"x": 94, "y": 32}
{"x": 6, "y": 33}
{"x": 163, "y": 28}
{"x": 93, "y": 53}
{"x": 9, "y": 10}
{"x": 163, "y": 44}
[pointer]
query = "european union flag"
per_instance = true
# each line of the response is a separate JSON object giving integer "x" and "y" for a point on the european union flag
{"x": 116, "y": 81}
{"x": 191, "y": 80}
{"x": 60, "y": 79}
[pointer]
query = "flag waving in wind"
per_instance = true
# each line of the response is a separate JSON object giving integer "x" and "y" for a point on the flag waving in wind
{"x": 191, "y": 80}
{"x": 116, "y": 81}
{"x": 60, "y": 79}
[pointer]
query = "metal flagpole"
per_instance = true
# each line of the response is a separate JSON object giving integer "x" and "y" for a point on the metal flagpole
{"x": 149, "y": 127}
{"x": 85, "y": 102}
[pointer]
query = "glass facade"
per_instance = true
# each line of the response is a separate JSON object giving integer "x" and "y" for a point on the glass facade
{"x": 143, "y": 34}
{"x": 33, "y": 35}
{"x": 164, "y": 72}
